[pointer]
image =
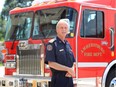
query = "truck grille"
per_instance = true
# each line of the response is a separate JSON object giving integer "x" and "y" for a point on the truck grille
{"x": 29, "y": 61}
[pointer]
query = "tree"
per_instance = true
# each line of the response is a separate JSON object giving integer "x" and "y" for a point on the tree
{"x": 2, "y": 29}
{"x": 9, "y": 5}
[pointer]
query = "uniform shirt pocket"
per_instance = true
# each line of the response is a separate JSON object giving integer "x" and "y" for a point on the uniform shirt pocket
{"x": 61, "y": 56}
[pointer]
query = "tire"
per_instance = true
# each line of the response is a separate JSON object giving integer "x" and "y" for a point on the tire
{"x": 111, "y": 78}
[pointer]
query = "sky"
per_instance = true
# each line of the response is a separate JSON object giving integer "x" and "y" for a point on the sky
{"x": 1, "y": 4}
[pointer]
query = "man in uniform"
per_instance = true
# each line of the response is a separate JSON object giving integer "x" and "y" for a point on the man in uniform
{"x": 60, "y": 57}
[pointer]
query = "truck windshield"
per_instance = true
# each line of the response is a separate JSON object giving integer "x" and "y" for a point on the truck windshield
{"x": 45, "y": 21}
{"x": 19, "y": 26}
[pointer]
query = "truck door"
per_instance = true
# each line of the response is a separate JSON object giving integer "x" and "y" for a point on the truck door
{"x": 115, "y": 31}
{"x": 45, "y": 26}
{"x": 94, "y": 45}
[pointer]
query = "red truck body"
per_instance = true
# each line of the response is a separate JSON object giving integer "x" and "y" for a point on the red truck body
{"x": 92, "y": 38}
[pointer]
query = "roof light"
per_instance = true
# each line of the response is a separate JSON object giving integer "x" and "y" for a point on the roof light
{"x": 35, "y": 2}
{"x": 17, "y": 8}
{"x": 43, "y": 2}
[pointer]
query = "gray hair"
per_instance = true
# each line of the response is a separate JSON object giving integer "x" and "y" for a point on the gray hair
{"x": 64, "y": 20}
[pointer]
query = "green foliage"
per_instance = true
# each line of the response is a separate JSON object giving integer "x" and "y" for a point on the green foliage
{"x": 2, "y": 29}
{"x": 1, "y": 63}
{"x": 9, "y": 5}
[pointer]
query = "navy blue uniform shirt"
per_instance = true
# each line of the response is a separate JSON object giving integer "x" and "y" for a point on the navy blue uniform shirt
{"x": 57, "y": 51}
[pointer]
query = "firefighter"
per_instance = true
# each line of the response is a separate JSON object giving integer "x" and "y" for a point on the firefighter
{"x": 60, "y": 57}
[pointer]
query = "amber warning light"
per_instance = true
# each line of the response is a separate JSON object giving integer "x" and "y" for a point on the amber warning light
{"x": 4, "y": 51}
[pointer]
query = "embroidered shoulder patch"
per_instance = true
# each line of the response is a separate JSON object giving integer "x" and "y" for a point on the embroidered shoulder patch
{"x": 52, "y": 40}
{"x": 49, "y": 47}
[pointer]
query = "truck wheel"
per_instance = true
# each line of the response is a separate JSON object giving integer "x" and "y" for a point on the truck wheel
{"x": 111, "y": 79}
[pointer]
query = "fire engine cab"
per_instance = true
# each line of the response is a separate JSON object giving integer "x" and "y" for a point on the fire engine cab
{"x": 92, "y": 38}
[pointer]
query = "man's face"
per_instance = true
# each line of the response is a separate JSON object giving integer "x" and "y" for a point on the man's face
{"x": 62, "y": 29}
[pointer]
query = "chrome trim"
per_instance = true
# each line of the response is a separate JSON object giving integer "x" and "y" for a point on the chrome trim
{"x": 78, "y": 24}
{"x": 9, "y": 63}
{"x": 106, "y": 72}
{"x": 26, "y": 75}
{"x": 24, "y": 55}
{"x": 23, "y": 45}
{"x": 42, "y": 56}
{"x": 17, "y": 66}
{"x": 113, "y": 82}
{"x": 112, "y": 39}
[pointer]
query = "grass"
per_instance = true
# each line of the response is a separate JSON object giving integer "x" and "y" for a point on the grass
{"x": 1, "y": 64}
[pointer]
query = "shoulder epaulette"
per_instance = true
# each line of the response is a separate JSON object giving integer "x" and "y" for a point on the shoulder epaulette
{"x": 52, "y": 40}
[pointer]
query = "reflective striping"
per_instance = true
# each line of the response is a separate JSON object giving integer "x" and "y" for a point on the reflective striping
{"x": 92, "y": 64}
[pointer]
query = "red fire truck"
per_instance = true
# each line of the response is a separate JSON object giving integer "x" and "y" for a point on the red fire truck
{"x": 92, "y": 37}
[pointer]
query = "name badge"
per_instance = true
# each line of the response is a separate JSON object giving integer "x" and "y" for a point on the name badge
{"x": 61, "y": 50}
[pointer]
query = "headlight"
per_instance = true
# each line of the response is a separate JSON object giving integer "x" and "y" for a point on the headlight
{"x": 7, "y": 65}
{"x": 10, "y": 64}
{"x": 13, "y": 65}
